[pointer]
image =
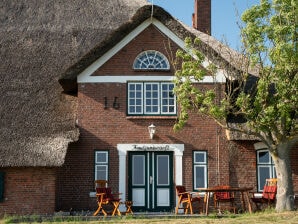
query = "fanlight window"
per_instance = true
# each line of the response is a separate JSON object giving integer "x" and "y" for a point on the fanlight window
{"x": 151, "y": 60}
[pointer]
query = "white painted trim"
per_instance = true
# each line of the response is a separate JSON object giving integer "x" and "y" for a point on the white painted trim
{"x": 85, "y": 76}
{"x": 100, "y": 61}
{"x": 124, "y": 79}
{"x": 178, "y": 150}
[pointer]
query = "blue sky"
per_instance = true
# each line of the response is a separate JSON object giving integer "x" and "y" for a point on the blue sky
{"x": 225, "y": 14}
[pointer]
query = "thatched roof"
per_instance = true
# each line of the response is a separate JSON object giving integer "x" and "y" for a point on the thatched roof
{"x": 39, "y": 40}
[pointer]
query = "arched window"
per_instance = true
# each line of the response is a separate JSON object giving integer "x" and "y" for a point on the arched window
{"x": 151, "y": 60}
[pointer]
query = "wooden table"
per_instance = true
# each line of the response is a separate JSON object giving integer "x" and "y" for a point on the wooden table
{"x": 243, "y": 190}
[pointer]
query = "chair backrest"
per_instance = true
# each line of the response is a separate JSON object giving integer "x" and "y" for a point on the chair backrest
{"x": 100, "y": 183}
{"x": 108, "y": 196}
{"x": 270, "y": 189}
{"x": 180, "y": 190}
{"x": 223, "y": 195}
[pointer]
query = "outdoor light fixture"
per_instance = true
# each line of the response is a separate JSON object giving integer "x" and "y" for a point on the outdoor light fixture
{"x": 151, "y": 130}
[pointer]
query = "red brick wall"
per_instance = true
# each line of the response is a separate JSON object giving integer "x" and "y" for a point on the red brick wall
{"x": 28, "y": 191}
{"x": 149, "y": 39}
{"x": 103, "y": 129}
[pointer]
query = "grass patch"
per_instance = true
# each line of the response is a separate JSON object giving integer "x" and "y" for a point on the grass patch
{"x": 266, "y": 217}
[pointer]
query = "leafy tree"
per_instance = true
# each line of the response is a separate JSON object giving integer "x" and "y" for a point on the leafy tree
{"x": 269, "y": 109}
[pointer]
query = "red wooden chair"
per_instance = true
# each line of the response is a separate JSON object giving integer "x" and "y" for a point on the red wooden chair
{"x": 268, "y": 196}
{"x": 105, "y": 197}
{"x": 224, "y": 200}
{"x": 185, "y": 200}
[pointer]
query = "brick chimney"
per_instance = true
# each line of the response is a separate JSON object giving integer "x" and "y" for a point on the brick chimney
{"x": 201, "y": 18}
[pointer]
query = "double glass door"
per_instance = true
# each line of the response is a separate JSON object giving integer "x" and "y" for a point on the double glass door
{"x": 151, "y": 181}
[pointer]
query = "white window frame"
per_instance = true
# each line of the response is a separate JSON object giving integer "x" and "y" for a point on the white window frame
{"x": 152, "y": 98}
{"x": 135, "y": 98}
{"x": 144, "y": 98}
{"x": 101, "y": 164}
{"x": 269, "y": 165}
{"x": 203, "y": 164}
{"x": 150, "y": 59}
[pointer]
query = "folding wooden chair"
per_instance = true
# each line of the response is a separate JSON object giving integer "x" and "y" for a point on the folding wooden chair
{"x": 105, "y": 197}
{"x": 224, "y": 200}
{"x": 185, "y": 200}
{"x": 268, "y": 196}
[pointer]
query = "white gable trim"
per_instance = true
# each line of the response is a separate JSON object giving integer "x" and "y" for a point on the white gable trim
{"x": 85, "y": 76}
{"x": 126, "y": 78}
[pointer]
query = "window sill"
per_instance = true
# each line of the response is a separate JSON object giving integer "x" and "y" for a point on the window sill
{"x": 92, "y": 194}
{"x": 159, "y": 117}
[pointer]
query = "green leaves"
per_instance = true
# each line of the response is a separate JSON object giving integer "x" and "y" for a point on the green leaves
{"x": 270, "y": 107}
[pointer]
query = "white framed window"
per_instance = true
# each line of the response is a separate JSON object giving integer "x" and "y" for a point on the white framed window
{"x": 151, "y": 98}
{"x": 265, "y": 168}
{"x": 151, "y": 60}
{"x": 200, "y": 169}
{"x": 101, "y": 165}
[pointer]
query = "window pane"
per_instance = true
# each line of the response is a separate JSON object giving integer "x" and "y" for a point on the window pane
{"x": 138, "y": 169}
{"x": 101, "y": 157}
{"x": 264, "y": 173}
{"x": 264, "y": 157}
{"x": 155, "y": 109}
{"x": 199, "y": 157}
{"x": 199, "y": 177}
{"x": 162, "y": 170}
{"x": 138, "y": 109}
{"x": 101, "y": 172}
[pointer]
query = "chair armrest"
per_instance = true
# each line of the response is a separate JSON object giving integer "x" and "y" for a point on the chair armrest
{"x": 100, "y": 194}
{"x": 180, "y": 193}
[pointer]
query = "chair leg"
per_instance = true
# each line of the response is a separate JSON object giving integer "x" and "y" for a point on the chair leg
{"x": 98, "y": 210}
{"x": 177, "y": 206}
{"x": 116, "y": 208}
{"x": 128, "y": 205}
{"x": 190, "y": 208}
{"x": 186, "y": 207}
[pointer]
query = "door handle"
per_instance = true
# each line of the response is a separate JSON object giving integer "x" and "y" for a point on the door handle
{"x": 150, "y": 179}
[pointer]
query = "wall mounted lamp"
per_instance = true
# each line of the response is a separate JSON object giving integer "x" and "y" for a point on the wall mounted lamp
{"x": 152, "y": 130}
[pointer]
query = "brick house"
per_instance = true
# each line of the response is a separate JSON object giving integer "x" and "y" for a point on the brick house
{"x": 120, "y": 87}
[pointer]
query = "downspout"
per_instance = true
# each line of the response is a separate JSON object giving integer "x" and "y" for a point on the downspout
{"x": 217, "y": 149}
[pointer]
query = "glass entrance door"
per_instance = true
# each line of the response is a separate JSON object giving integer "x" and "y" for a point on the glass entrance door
{"x": 151, "y": 181}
